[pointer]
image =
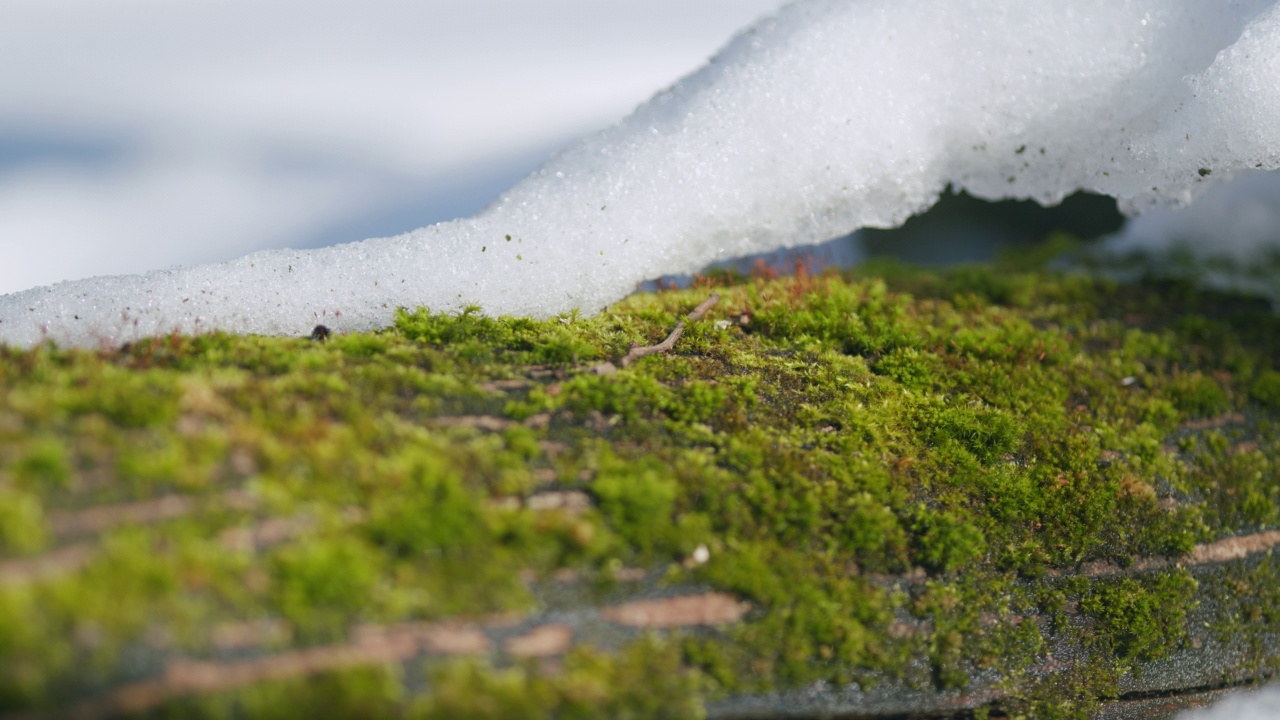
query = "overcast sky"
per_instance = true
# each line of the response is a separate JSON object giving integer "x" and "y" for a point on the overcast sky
{"x": 139, "y": 134}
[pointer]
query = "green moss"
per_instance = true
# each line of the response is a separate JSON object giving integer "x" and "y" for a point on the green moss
{"x": 638, "y": 502}
{"x": 911, "y": 368}
{"x": 323, "y": 585}
{"x": 985, "y": 433}
{"x": 1140, "y": 619}
{"x": 478, "y": 339}
{"x": 945, "y": 541}
{"x": 819, "y": 624}
{"x": 1246, "y": 598}
{"x": 1199, "y": 396}
{"x": 127, "y": 398}
{"x": 43, "y": 464}
{"x": 22, "y": 526}
{"x": 891, "y": 470}
{"x": 430, "y": 509}
{"x": 1266, "y": 389}
{"x": 1240, "y": 485}
{"x": 29, "y": 662}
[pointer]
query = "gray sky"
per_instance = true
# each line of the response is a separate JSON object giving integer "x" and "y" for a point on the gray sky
{"x": 140, "y": 134}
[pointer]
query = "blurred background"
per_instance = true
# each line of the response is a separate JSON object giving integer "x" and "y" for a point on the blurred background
{"x": 140, "y": 134}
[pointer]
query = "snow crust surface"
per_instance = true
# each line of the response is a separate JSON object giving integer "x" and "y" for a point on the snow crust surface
{"x": 829, "y": 116}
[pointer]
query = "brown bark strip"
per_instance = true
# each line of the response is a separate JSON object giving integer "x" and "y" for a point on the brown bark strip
{"x": 540, "y": 642}
{"x": 570, "y": 501}
{"x": 383, "y": 644}
{"x": 684, "y": 611}
{"x": 62, "y": 561}
{"x": 264, "y": 534}
{"x": 184, "y": 676}
{"x": 443, "y": 638}
{"x": 503, "y": 385}
{"x": 1234, "y": 418}
{"x": 1236, "y": 548}
{"x": 273, "y": 531}
{"x": 244, "y": 635}
{"x": 447, "y": 639}
{"x": 97, "y": 519}
{"x": 479, "y": 422}
{"x": 373, "y": 645}
{"x": 1221, "y": 551}
{"x": 104, "y": 517}
{"x": 638, "y": 352}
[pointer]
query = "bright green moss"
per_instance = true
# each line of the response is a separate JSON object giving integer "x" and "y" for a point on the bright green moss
{"x": 820, "y": 622}
{"x": 638, "y": 502}
{"x": 324, "y": 584}
{"x": 985, "y": 433}
{"x": 913, "y": 369}
{"x": 475, "y": 338}
{"x": 891, "y": 470}
{"x": 430, "y": 509}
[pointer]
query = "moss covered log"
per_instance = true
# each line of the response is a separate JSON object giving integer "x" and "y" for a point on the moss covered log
{"x": 985, "y": 491}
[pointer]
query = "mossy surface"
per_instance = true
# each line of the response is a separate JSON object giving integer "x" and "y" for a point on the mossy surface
{"x": 904, "y": 473}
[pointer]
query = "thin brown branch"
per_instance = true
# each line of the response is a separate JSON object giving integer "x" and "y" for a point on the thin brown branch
{"x": 638, "y": 351}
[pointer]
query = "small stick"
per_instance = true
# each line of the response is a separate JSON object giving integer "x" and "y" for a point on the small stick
{"x": 665, "y": 346}
{"x": 638, "y": 351}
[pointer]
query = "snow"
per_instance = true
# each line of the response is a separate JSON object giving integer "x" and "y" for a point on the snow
{"x": 828, "y": 116}
{"x": 1258, "y": 705}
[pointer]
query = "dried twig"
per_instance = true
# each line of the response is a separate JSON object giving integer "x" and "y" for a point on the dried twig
{"x": 638, "y": 351}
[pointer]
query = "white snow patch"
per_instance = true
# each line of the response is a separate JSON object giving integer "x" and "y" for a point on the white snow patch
{"x": 1258, "y": 705}
{"x": 829, "y": 116}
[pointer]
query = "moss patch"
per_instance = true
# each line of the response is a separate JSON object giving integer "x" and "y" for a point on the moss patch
{"x": 903, "y": 472}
